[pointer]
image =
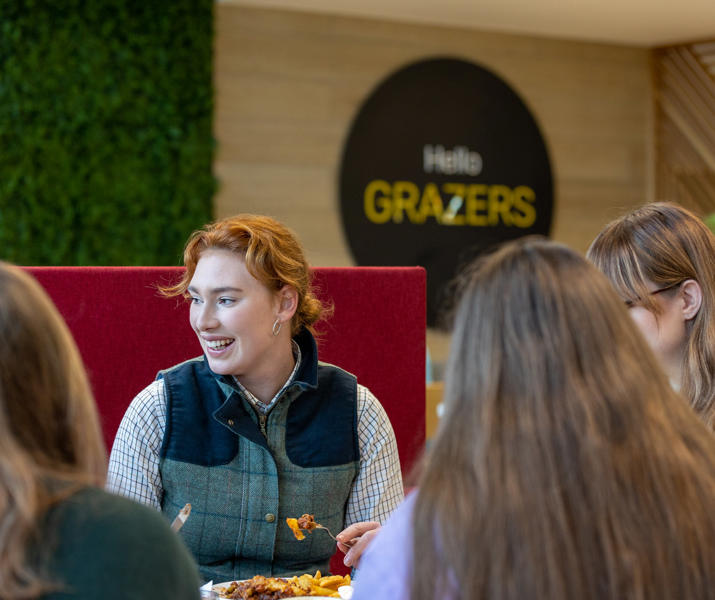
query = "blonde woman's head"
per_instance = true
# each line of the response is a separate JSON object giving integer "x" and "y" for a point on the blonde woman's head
{"x": 661, "y": 260}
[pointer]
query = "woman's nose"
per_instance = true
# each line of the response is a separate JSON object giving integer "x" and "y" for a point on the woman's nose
{"x": 206, "y": 318}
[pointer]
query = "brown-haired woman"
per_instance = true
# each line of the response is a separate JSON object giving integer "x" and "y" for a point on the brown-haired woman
{"x": 61, "y": 535}
{"x": 257, "y": 429}
{"x": 661, "y": 260}
{"x": 565, "y": 466}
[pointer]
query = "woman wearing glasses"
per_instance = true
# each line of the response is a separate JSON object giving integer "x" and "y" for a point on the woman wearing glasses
{"x": 661, "y": 260}
{"x": 564, "y": 465}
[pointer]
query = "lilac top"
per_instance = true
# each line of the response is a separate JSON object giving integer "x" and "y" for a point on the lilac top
{"x": 385, "y": 568}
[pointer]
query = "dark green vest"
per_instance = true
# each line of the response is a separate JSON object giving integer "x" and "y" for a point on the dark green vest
{"x": 243, "y": 484}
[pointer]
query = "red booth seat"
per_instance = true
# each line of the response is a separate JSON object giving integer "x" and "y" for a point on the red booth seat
{"x": 126, "y": 332}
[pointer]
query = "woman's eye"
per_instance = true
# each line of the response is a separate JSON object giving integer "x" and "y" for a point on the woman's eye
{"x": 194, "y": 300}
{"x": 226, "y": 301}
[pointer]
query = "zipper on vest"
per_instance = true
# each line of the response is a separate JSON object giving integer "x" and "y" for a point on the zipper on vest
{"x": 262, "y": 423}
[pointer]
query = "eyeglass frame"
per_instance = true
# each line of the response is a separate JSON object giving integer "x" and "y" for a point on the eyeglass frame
{"x": 631, "y": 303}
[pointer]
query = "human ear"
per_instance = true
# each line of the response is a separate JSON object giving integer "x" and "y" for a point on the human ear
{"x": 287, "y": 302}
{"x": 692, "y": 297}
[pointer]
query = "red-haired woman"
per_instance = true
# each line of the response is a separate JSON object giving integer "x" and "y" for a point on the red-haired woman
{"x": 257, "y": 429}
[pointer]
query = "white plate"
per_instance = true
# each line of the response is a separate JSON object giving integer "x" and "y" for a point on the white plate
{"x": 219, "y": 587}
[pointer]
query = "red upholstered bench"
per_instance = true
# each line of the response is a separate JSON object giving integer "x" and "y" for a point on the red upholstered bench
{"x": 127, "y": 332}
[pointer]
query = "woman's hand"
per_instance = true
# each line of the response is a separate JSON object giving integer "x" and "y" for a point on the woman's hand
{"x": 353, "y": 540}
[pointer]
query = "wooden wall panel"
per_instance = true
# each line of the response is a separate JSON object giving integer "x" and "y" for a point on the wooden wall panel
{"x": 288, "y": 85}
{"x": 685, "y": 125}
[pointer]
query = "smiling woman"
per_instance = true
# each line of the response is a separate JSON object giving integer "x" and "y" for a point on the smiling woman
{"x": 237, "y": 320}
{"x": 257, "y": 429}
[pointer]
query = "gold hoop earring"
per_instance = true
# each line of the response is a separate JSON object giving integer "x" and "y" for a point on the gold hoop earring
{"x": 277, "y": 327}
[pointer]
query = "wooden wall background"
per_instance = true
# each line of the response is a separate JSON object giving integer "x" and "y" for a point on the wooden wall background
{"x": 684, "y": 78}
{"x": 288, "y": 85}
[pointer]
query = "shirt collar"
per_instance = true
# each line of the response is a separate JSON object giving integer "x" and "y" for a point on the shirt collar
{"x": 259, "y": 404}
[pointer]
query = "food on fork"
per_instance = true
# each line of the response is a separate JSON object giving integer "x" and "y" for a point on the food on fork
{"x": 305, "y": 522}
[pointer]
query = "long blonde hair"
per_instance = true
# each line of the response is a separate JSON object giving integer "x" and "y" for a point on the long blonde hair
{"x": 667, "y": 244}
{"x": 564, "y": 466}
{"x": 50, "y": 439}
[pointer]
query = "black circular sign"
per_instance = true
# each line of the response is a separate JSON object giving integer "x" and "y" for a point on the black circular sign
{"x": 443, "y": 161}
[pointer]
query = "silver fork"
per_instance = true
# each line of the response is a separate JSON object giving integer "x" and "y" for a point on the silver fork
{"x": 349, "y": 543}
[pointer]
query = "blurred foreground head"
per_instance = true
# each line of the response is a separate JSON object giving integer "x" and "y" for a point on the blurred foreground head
{"x": 565, "y": 466}
{"x": 50, "y": 440}
{"x": 665, "y": 247}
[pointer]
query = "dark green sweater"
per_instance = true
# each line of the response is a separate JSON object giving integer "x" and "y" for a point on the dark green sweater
{"x": 110, "y": 548}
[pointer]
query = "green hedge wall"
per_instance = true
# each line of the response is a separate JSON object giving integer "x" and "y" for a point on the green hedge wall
{"x": 106, "y": 143}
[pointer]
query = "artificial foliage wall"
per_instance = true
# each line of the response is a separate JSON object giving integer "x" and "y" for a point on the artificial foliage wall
{"x": 106, "y": 141}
